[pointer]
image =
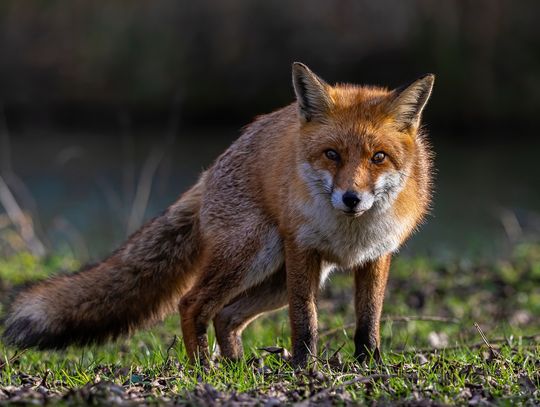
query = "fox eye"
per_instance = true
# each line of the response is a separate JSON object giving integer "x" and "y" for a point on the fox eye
{"x": 332, "y": 155}
{"x": 378, "y": 157}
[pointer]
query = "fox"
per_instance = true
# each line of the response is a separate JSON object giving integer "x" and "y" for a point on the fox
{"x": 336, "y": 180}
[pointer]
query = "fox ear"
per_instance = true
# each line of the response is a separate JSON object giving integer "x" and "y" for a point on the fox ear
{"x": 410, "y": 100}
{"x": 311, "y": 93}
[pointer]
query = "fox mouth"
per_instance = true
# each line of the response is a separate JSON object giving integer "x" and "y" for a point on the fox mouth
{"x": 353, "y": 213}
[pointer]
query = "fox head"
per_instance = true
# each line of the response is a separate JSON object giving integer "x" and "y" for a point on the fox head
{"x": 358, "y": 144}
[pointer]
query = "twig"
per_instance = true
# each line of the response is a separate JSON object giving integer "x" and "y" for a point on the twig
{"x": 74, "y": 236}
{"x": 321, "y": 360}
{"x": 128, "y": 161}
{"x": 428, "y": 318}
{"x": 15, "y": 356}
{"x": 144, "y": 187}
{"x": 494, "y": 342}
{"x": 20, "y": 220}
{"x": 398, "y": 318}
{"x": 175, "y": 339}
{"x": 167, "y": 358}
{"x": 4, "y": 142}
{"x": 4, "y": 221}
{"x": 510, "y": 224}
{"x": 484, "y": 338}
{"x": 151, "y": 165}
{"x": 337, "y": 351}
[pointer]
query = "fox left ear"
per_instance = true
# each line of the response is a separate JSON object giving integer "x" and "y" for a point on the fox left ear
{"x": 311, "y": 93}
{"x": 410, "y": 100}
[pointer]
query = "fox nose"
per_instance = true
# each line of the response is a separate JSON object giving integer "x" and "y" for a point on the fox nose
{"x": 350, "y": 199}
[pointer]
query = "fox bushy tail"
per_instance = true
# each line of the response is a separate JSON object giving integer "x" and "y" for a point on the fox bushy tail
{"x": 140, "y": 282}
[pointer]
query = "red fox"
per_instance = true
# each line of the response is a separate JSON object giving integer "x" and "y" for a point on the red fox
{"x": 338, "y": 179}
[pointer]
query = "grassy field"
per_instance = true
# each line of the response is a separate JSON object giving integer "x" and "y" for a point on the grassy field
{"x": 433, "y": 352}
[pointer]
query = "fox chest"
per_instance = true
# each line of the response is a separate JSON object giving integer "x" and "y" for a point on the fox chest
{"x": 343, "y": 243}
{"x": 348, "y": 242}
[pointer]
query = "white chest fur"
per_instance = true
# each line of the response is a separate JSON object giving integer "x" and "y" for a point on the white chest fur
{"x": 349, "y": 241}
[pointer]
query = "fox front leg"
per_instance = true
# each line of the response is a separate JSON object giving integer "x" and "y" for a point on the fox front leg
{"x": 303, "y": 273}
{"x": 370, "y": 284}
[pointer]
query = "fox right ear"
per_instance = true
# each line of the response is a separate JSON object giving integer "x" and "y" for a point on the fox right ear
{"x": 311, "y": 93}
{"x": 410, "y": 100}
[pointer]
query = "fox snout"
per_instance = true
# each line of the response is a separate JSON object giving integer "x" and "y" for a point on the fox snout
{"x": 352, "y": 202}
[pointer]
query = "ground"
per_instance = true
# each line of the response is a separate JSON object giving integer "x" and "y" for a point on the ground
{"x": 454, "y": 332}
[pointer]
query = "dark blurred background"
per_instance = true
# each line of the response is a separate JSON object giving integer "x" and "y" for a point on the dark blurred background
{"x": 109, "y": 110}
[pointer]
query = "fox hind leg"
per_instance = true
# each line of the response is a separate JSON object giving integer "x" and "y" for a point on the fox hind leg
{"x": 229, "y": 323}
{"x": 228, "y": 272}
{"x": 224, "y": 276}
{"x": 213, "y": 290}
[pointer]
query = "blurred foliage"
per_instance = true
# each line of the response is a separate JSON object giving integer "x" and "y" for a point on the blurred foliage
{"x": 232, "y": 57}
{"x": 23, "y": 267}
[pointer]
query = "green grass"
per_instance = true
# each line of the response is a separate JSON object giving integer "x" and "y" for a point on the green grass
{"x": 502, "y": 296}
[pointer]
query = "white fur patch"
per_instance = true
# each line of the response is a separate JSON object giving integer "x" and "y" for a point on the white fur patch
{"x": 267, "y": 261}
{"x": 337, "y": 199}
{"x": 350, "y": 241}
{"x": 388, "y": 186}
{"x": 32, "y": 309}
{"x": 326, "y": 270}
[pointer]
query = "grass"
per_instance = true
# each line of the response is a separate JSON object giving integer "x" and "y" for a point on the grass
{"x": 426, "y": 360}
